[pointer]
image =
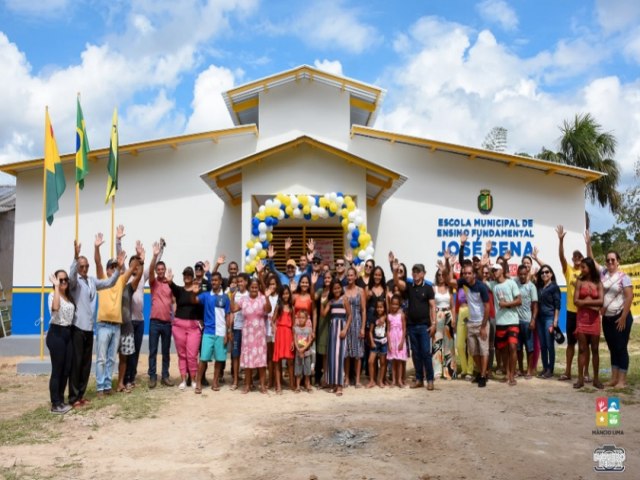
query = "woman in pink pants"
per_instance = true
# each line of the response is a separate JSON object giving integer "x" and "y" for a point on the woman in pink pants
{"x": 186, "y": 327}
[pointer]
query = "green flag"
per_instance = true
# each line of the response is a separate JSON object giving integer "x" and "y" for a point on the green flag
{"x": 112, "y": 164}
{"x": 55, "y": 183}
{"x": 82, "y": 147}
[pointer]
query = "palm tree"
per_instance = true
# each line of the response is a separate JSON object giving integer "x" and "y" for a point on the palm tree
{"x": 584, "y": 145}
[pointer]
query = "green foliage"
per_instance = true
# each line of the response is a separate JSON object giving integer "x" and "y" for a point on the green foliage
{"x": 615, "y": 239}
{"x": 629, "y": 212}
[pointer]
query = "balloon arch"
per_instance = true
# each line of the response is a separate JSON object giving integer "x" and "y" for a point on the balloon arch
{"x": 308, "y": 207}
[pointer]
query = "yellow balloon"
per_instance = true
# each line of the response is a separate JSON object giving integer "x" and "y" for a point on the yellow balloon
{"x": 286, "y": 200}
{"x": 362, "y": 240}
{"x": 362, "y": 228}
{"x": 323, "y": 202}
{"x": 348, "y": 199}
{"x": 314, "y": 217}
{"x": 269, "y": 236}
{"x": 303, "y": 199}
{"x": 306, "y": 209}
{"x": 333, "y": 207}
{"x": 261, "y": 216}
{"x": 344, "y": 212}
{"x": 250, "y": 244}
{"x": 248, "y": 269}
{"x": 262, "y": 253}
{"x": 345, "y": 223}
{"x": 289, "y": 209}
{"x": 351, "y": 207}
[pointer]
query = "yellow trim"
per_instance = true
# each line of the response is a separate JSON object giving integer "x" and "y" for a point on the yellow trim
{"x": 361, "y": 104}
{"x": 378, "y": 181}
{"x": 230, "y": 180}
{"x": 15, "y": 290}
{"x": 587, "y": 175}
{"x": 135, "y": 148}
{"x": 295, "y": 73}
{"x": 246, "y": 105}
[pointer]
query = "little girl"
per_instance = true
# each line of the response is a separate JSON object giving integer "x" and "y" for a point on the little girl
{"x": 283, "y": 347}
{"x": 302, "y": 338}
{"x": 397, "y": 328}
{"x": 378, "y": 340}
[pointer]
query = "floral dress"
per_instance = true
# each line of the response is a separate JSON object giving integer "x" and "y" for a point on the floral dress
{"x": 254, "y": 333}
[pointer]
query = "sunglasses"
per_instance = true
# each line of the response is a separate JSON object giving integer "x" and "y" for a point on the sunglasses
{"x": 63, "y": 280}
{"x": 83, "y": 266}
{"x": 611, "y": 260}
{"x": 317, "y": 262}
{"x": 340, "y": 264}
{"x": 545, "y": 272}
{"x": 368, "y": 266}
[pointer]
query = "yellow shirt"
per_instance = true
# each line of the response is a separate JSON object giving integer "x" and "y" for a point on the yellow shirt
{"x": 571, "y": 277}
{"x": 110, "y": 302}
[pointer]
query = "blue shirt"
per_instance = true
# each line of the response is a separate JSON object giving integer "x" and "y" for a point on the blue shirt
{"x": 284, "y": 279}
{"x": 216, "y": 308}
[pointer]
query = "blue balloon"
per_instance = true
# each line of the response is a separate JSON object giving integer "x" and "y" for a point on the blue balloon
{"x": 307, "y": 216}
{"x": 255, "y": 221}
{"x": 268, "y": 221}
{"x": 255, "y": 231}
{"x": 265, "y": 245}
{"x": 331, "y": 214}
{"x": 357, "y": 261}
{"x": 355, "y": 233}
{"x": 246, "y": 252}
{"x": 354, "y": 244}
{"x": 274, "y": 221}
{"x": 340, "y": 194}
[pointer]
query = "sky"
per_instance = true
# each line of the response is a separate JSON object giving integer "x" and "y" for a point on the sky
{"x": 452, "y": 69}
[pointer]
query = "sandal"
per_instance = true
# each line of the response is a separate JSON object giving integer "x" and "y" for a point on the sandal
{"x": 297, "y": 390}
{"x": 339, "y": 394}
{"x": 598, "y": 385}
{"x": 587, "y": 379}
{"x": 278, "y": 391}
{"x": 215, "y": 389}
{"x": 233, "y": 387}
{"x": 578, "y": 385}
{"x": 197, "y": 390}
{"x": 564, "y": 377}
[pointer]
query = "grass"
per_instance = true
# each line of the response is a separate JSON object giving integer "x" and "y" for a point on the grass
{"x": 40, "y": 426}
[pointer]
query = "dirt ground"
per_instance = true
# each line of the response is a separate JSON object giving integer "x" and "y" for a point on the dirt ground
{"x": 539, "y": 429}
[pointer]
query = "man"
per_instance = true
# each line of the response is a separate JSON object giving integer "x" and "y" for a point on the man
{"x": 316, "y": 267}
{"x": 109, "y": 316}
{"x": 341, "y": 271}
{"x": 571, "y": 275}
{"x": 83, "y": 289}
{"x": 217, "y": 330}
{"x": 527, "y": 313}
{"x": 232, "y": 270}
{"x": 507, "y": 299}
{"x": 160, "y": 318}
{"x": 477, "y": 327}
{"x": 290, "y": 278}
{"x": 421, "y": 323}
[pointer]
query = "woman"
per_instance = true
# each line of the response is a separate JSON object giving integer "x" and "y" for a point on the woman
{"x": 253, "y": 353}
{"x": 443, "y": 349}
{"x": 273, "y": 284}
{"x": 61, "y": 309}
{"x": 617, "y": 318}
{"x": 369, "y": 267}
{"x": 303, "y": 300}
{"x": 462, "y": 315}
{"x": 547, "y": 321}
{"x": 527, "y": 261}
{"x": 588, "y": 298}
{"x": 322, "y": 339}
{"x": 376, "y": 291}
{"x": 355, "y": 336}
{"x": 186, "y": 327}
{"x": 339, "y": 311}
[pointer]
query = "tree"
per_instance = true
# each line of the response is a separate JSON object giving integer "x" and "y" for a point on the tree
{"x": 615, "y": 239}
{"x": 585, "y": 145}
{"x": 629, "y": 212}
{"x": 496, "y": 140}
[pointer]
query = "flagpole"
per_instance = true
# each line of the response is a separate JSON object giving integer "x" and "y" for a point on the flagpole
{"x": 113, "y": 218}
{"x": 44, "y": 237}
{"x": 77, "y": 193}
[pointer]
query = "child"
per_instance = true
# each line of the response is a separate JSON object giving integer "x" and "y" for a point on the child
{"x": 283, "y": 347}
{"x": 238, "y": 322}
{"x": 273, "y": 284}
{"x": 302, "y": 338}
{"x": 396, "y": 331}
{"x": 378, "y": 341}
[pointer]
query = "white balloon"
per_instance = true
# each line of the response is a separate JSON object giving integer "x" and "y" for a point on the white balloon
{"x": 340, "y": 201}
{"x": 297, "y": 213}
{"x": 351, "y": 216}
{"x": 257, "y": 246}
{"x": 362, "y": 254}
{"x": 333, "y": 196}
{"x": 262, "y": 208}
{"x": 262, "y": 227}
{"x": 252, "y": 253}
{"x": 323, "y": 212}
{"x": 268, "y": 203}
{"x": 262, "y": 237}
{"x": 351, "y": 227}
{"x": 358, "y": 220}
{"x": 280, "y": 214}
{"x": 370, "y": 251}
{"x": 294, "y": 201}
{"x": 277, "y": 203}
{"x": 314, "y": 210}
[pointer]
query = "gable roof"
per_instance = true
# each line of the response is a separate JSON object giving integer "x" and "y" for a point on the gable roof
{"x": 472, "y": 153}
{"x": 226, "y": 180}
{"x": 243, "y": 102}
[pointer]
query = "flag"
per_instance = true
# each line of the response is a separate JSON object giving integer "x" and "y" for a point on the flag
{"x": 54, "y": 184}
{"x": 112, "y": 164}
{"x": 82, "y": 147}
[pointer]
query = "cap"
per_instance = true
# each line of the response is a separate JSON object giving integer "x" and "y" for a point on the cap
{"x": 578, "y": 254}
{"x": 199, "y": 265}
{"x": 112, "y": 263}
{"x": 475, "y": 259}
{"x": 317, "y": 257}
{"x": 496, "y": 266}
{"x": 558, "y": 335}
{"x": 418, "y": 267}
{"x": 187, "y": 271}
{"x": 291, "y": 262}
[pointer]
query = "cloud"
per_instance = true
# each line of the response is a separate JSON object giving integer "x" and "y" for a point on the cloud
{"x": 454, "y": 85}
{"x": 209, "y": 110}
{"x": 498, "y": 12}
{"x": 330, "y": 25}
{"x": 617, "y": 15}
{"x": 330, "y": 66}
{"x": 40, "y": 8}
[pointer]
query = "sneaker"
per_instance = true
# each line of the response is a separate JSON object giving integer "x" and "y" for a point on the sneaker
{"x": 60, "y": 409}
{"x": 153, "y": 382}
{"x": 188, "y": 380}
{"x": 167, "y": 382}
{"x": 194, "y": 385}
{"x": 482, "y": 382}
{"x": 182, "y": 385}
{"x": 476, "y": 378}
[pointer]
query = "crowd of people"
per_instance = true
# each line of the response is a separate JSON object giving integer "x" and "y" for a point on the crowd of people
{"x": 315, "y": 325}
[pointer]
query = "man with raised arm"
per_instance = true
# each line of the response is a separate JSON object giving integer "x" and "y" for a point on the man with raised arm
{"x": 84, "y": 290}
{"x": 291, "y": 278}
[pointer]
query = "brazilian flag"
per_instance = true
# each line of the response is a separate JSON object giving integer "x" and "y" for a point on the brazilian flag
{"x": 82, "y": 148}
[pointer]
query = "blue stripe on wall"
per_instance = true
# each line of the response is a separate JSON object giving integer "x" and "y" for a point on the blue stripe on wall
{"x": 25, "y": 315}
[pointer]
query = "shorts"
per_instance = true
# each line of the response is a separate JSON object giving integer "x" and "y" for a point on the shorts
{"x": 237, "y": 344}
{"x": 127, "y": 345}
{"x": 302, "y": 365}
{"x": 525, "y": 337}
{"x": 506, "y": 335}
{"x": 380, "y": 348}
{"x": 475, "y": 344}
{"x": 213, "y": 348}
{"x": 572, "y": 323}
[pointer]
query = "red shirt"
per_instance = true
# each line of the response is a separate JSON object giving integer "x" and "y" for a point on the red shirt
{"x": 161, "y": 300}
